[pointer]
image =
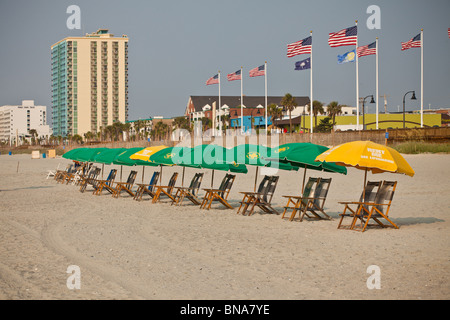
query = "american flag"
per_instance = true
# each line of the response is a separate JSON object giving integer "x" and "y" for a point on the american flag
{"x": 213, "y": 80}
{"x": 413, "y": 43}
{"x": 448, "y": 31}
{"x": 234, "y": 76}
{"x": 345, "y": 37}
{"x": 258, "y": 71}
{"x": 299, "y": 47}
{"x": 367, "y": 50}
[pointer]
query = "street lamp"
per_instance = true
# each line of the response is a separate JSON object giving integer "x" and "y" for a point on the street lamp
{"x": 371, "y": 101}
{"x": 412, "y": 98}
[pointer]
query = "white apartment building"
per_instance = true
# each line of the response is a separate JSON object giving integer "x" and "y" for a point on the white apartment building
{"x": 17, "y": 121}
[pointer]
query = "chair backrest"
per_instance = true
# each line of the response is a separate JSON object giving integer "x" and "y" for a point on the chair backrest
{"x": 308, "y": 189}
{"x": 321, "y": 191}
{"x": 263, "y": 184}
{"x": 95, "y": 172}
{"x": 195, "y": 183}
{"x": 225, "y": 186}
{"x": 153, "y": 181}
{"x": 269, "y": 189}
{"x": 111, "y": 177}
{"x": 385, "y": 195}
{"x": 172, "y": 182}
{"x": 131, "y": 178}
{"x": 370, "y": 192}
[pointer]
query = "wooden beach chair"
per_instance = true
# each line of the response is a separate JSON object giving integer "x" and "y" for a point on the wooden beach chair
{"x": 147, "y": 188}
{"x": 60, "y": 175}
{"x": 125, "y": 186}
{"x": 190, "y": 193}
{"x": 351, "y": 208}
{"x": 166, "y": 190}
{"x": 262, "y": 198}
{"x": 75, "y": 174}
{"x": 314, "y": 206}
{"x": 297, "y": 203}
{"x": 105, "y": 184}
{"x": 248, "y": 197}
{"x": 90, "y": 178}
{"x": 220, "y": 194}
{"x": 378, "y": 209}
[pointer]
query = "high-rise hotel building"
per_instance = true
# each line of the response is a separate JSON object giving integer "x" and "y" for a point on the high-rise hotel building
{"x": 89, "y": 83}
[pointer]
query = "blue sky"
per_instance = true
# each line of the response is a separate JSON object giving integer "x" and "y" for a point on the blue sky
{"x": 176, "y": 45}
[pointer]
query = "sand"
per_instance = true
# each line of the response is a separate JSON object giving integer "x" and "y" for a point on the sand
{"x": 138, "y": 250}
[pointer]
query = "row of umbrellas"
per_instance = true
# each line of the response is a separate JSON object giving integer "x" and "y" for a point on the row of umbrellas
{"x": 365, "y": 155}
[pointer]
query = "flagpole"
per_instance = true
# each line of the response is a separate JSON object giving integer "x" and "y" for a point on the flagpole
{"x": 265, "y": 83}
{"x": 376, "y": 63}
{"x": 421, "y": 78}
{"x": 242, "y": 105}
{"x": 311, "y": 90}
{"x": 357, "y": 81}
{"x": 220, "y": 108}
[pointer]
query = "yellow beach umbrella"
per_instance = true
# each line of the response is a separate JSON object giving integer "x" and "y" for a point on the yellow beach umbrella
{"x": 367, "y": 156}
{"x": 144, "y": 155}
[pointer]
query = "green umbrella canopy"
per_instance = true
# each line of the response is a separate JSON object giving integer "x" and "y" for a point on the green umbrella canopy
{"x": 108, "y": 156}
{"x": 71, "y": 153}
{"x": 123, "y": 158}
{"x": 303, "y": 155}
{"x": 173, "y": 156}
{"x": 212, "y": 156}
{"x": 256, "y": 155}
{"x": 87, "y": 154}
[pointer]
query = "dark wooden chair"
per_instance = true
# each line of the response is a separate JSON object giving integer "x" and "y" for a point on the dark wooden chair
{"x": 105, "y": 184}
{"x": 298, "y": 203}
{"x": 351, "y": 208}
{"x": 125, "y": 186}
{"x": 191, "y": 192}
{"x": 166, "y": 190}
{"x": 220, "y": 194}
{"x": 147, "y": 188}
{"x": 314, "y": 206}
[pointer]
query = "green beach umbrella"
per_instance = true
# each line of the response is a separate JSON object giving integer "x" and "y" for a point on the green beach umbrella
{"x": 108, "y": 156}
{"x": 71, "y": 153}
{"x": 256, "y": 155}
{"x": 87, "y": 154}
{"x": 303, "y": 155}
{"x": 123, "y": 158}
{"x": 172, "y": 156}
{"x": 212, "y": 156}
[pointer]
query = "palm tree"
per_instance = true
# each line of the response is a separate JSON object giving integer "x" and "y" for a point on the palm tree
{"x": 334, "y": 109}
{"x": 317, "y": 108}
{"x": 274, "y": 112}
{"x": 126, "y": 128}
{"x": 138, "y": 125}
{"x": 289, "y": 103}
{"x": 33, "y": 133}
{"x": 206, "y": 123}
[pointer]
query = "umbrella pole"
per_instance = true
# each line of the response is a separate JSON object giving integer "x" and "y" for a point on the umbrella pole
{"x": 182, "y": 179}
{"x": 304, "y": 176}
{"x": 160, "y": 173}
{"x": 143, "y": 170}
{"x": 212, "y": 178}
{"x": 364, "y": 189}
{"x": 120, "y": 173}
{"x": 103, "y": 169}
{"x": 256, "y": 178}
